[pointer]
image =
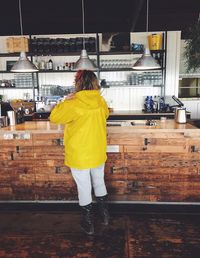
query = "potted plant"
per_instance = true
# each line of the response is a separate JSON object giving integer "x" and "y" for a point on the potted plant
{"x": 192, "y": 48}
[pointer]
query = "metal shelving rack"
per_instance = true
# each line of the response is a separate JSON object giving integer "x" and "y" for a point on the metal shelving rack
{"x": 98, "y": 54}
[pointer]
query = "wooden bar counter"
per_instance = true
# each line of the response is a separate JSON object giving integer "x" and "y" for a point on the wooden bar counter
{"x": 159, "y": 163}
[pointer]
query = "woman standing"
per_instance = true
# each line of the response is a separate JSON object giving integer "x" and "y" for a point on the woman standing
{"x": 84, "y": 115}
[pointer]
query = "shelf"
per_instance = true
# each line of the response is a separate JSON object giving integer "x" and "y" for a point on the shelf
{"x": 46, "y": 54}
{"x": 62, "y": 54}
{"x": 126, "y": 69}
{"x": 116, "y": 70}
{"x": 9, "y": 54}
{"x": 16, "y": 88}
{"x": 133, "y": 86}
{"x": 56, "y": 71}
{"x": 46, "y": 71}
{"x": 127, "y": 52}
{"x": 158, "y": 51}
{"x": 77, "y": 53}
{"x": 5, "y": 72}
{"x": 118, "y": 53}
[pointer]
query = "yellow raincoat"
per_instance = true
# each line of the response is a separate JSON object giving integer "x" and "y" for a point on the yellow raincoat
{"x": 84, "y": 117}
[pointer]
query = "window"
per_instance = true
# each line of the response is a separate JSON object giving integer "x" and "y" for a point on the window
{"x": 189, "y": 86}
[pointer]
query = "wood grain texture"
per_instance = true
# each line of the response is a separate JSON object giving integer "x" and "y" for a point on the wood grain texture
{"x": 159, "y": 163}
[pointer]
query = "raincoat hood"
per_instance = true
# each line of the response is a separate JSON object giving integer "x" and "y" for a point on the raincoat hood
{"x": 90, "y": 98}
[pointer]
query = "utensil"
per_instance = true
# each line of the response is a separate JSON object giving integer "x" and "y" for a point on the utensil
{"x": 3, "y": 121}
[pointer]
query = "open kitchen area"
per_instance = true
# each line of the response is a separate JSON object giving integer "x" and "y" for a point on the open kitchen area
{"x": 153, "y": 138}
{"x": 145, "y": 56}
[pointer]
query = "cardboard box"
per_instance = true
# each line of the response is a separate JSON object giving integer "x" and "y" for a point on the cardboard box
{"x": 17, "y": 44}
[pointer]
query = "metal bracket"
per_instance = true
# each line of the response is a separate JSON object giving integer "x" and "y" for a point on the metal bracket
{"x": 114, "y": 170}
{"x": 146, "y": 141}
{"x": 17, "y": 149}
{"x": 12, "y": 155}
{"x": 57, "y": 170}
{"x": 194, "y": 148}
{"x": 58, "y": 141}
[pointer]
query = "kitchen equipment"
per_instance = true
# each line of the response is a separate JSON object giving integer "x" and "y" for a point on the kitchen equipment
{"x": 131, "y": 122}
{"x": 5, "y": 107}
{"x": 180, "y": 115}
{"x": 7, "y": 83}
{"x": 3, "y": 121}
{"x": 47, "y": 104}
{"x": 12, "y": 117}
{"x": 180, "y": 104}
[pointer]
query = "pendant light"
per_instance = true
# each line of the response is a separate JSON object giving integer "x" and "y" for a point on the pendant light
{"x": 146, "y": 61}
{"x": 84, "y": 62}
{"x": 23, "y": 65}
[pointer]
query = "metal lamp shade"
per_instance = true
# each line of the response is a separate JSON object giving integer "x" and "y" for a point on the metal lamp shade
{"x": 146, "y": 62}
{"x": 23, "y": 65}
{"x": 84, "y": 63}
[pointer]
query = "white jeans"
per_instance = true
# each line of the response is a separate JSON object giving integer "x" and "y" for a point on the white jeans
{"x": 86, "y": 179}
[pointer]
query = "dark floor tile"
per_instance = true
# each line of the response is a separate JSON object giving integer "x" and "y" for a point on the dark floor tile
{"x": 135, "y": 235}
{"x": 164, "y": 236}
{"x": 59, "y": 235}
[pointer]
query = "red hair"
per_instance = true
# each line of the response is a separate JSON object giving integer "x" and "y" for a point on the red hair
{"x": 86, "y": 80}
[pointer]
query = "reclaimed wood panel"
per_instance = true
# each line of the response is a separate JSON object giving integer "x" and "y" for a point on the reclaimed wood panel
{"x": 55, "y": 190}
{"x": 16, "y": 141}
{"x": 157, "y": 148}
{"x": 47, "y": 139}
{"x": 114, "y": 167}
{"x": 151, "y": 165}
{"x": 116, "y": 187}
{"x": 125, "y": 139}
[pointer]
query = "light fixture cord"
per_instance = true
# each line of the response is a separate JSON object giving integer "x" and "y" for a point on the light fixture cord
{"x": 83, "y": 17}
{"x": 20, "y": 17}
{"x": 147, "y": 21}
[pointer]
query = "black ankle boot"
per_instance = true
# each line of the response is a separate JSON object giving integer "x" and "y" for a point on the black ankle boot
{"x": 87, "y": 220}
{"x": 103, "y": 209}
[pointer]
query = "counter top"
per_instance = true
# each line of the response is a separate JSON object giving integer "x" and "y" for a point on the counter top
{"x": 135, "y": 113}
{"x": 117, "y": 115}
{"x": 139, "y": 114}
{"x": 34, "y": 126}
{"x": 48, "y": 127}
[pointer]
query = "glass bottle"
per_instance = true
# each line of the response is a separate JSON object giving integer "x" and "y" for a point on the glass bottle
{"x": 50, "y": 64}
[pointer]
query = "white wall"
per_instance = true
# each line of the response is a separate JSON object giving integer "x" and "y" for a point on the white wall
{"x": 172, "y": 66}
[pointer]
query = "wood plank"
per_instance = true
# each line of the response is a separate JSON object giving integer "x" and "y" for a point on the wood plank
{"x": 156, "y": 148}
{"x": 47, "y": 139}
